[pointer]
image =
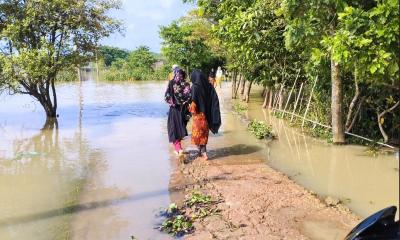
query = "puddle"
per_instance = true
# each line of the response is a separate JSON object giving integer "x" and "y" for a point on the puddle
{"x": 366, "y": 184}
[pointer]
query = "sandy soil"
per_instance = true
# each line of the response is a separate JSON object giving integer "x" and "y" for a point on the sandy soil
{"x": 258, "y": 202}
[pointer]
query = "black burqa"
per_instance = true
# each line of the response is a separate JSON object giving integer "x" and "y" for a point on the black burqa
{"x": 206, "y": 99}
{"x": 178, "y": 113}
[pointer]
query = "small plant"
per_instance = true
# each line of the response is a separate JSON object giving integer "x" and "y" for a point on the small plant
{"x": 239, "y": 108}
{"x": 260, "y": 129}
{"x": 179, "y": 220}
{"x": 197, "y": 199}
{"x": 177, "y": 225}
{"x": 373, "y": 149}
{"x": 176, "y": 222}
{"x": 201, "y": 205}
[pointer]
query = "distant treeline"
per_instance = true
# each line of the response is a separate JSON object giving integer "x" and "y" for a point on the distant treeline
{"x": 140, "y": 64}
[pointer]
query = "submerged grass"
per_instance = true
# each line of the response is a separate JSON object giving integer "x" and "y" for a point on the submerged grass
{"x": 373, "y": 149}
{"x": 260, "y": 129}
{"x": 239, "y": 107}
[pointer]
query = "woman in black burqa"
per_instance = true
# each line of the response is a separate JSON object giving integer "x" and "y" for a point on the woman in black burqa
{"x": 178, "y": 96}
{"x": 205, "y": 111}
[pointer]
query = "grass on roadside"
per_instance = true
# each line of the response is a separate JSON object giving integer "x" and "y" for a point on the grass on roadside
{"x": 179, "y": 220}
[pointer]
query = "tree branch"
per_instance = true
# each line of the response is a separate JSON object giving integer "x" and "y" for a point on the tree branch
{"x": 380, "y": 115}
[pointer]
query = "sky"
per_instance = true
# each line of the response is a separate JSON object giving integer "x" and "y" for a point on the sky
{"x": 142, "y": 19}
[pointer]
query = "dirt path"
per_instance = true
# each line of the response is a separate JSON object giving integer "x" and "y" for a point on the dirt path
{"x": 257, "y": 202}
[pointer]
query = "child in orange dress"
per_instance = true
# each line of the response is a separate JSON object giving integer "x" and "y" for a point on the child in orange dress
{"x": 205, "y": 111}
{"x": 200, "y": 130}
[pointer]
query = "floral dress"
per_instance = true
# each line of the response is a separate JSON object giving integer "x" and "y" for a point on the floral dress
{"x": 177, "y": 96}
{"x": 200, "y": 128}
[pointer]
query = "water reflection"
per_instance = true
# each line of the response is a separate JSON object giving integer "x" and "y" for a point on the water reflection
{"x": 43, "y": 171}
{"x": 366, "y": 184}
{"x": 86, "y": 177}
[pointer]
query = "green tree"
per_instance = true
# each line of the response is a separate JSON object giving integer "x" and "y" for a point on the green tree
{"x": 368, "y": 43}
{"x": 185, "y": 45}
{"x": 111, "y": 54}
{"x": 352, "y": 46}
{"x": 141, "y": 58}
{"x": 139, "y": 65}
{"x": 308, "y": 24}
{"x": 42, "y": 37}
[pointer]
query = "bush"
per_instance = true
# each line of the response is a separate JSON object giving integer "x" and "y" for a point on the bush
{"x": 67, "y": 75}
{"x": 260, "y": 129}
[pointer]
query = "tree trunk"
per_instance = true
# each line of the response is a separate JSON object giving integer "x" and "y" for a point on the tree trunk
{"x": 238, "y": 85}
{"x": 78, "y": 69}
{"x": 50, "y": 124}
{"x": 55, "y": 102}
{"x": 234, "y": 78}
{"x": 282, "y": 99}
{"x": 243, "y": 86}
{"x": 264, "y": 92}
{"x": 245, "y": 90}
{"x": 97, "y": 68}
{"x": 247, "y": 95}
{"x": 271, "y": 96}
{"x": 337, "y": 104}
{"x": 51, "y": 111}
{"x": 355, "y": 115}
{"x": 266, "y": 96}
{"x": 353, "y": 104}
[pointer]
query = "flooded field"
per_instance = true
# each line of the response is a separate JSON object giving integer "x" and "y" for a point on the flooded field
{"x": 363, "y": 182}
{"x": 104, "y": 173}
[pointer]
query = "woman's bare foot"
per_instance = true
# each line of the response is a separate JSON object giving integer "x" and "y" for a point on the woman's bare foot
{"x": 204, "y": 155}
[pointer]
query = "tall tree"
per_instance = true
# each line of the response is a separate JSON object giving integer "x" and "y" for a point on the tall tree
{"x": 42, "y": 37}
{"x": 308, "y": 23}
{"x": 186, "y": 44}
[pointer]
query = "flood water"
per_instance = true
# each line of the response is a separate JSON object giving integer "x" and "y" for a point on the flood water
{"x": 104, "y": 172}
{"x": 363, "y": 182}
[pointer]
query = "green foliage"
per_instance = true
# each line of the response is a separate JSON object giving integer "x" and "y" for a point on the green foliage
{"x": 198, "y": 198}
{"x": 179, "y": 220}
{"x": 188, "y": 43}
{"x": 177, "y": 225}
{"x": 373, "y": 149}
{"x": 137, "y": 66}
{"x": 141, "y": 58}
{"x": 41, "y": 38}
{"x": 67, "y": 75}
{"x": 239, "y": 107}
{"x": 267, "y": 41}
{"x": 260, "y": 129}
{"x": 201, "y": 205}
{"x": 112, "y": 54}
{"x": 321, "y": 132}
